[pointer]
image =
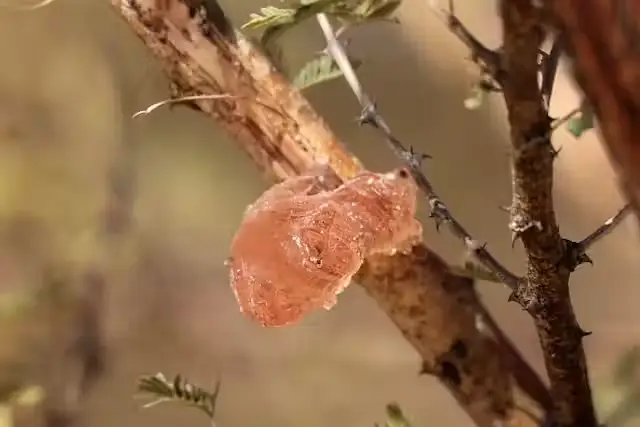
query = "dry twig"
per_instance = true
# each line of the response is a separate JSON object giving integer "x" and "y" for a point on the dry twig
{"x": 413, "y": 161}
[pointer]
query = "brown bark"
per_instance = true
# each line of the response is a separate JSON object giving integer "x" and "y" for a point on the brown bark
{"x": 545, "y": 292}
{"x": 604, "y": 42}
{"x": 435, "y": 310}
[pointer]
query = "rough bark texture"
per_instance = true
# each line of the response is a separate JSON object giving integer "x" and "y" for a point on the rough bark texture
{"x": 435, "y": 310}
{"x": 604, "y": 41}
{"x": 545, "y": 292}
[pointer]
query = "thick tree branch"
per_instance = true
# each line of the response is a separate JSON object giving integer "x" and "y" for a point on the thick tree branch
{"x": 545, "y": 293}
{"x": 275, "y": 125}
{"x": 602, "y": 39}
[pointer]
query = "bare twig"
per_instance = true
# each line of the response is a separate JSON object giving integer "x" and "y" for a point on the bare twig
{"x": 576, "y": 252}
{"x": 439, "y": 210}
{"x": 488, "y": 60}
{"x": 522, "y": 371}
{"x": 178, "y": 100}
{"x": 26, "y": 7}
{"x": 606, "y": 228}
{"x": 525, "y": 376}
{"x": 564, "y": 119}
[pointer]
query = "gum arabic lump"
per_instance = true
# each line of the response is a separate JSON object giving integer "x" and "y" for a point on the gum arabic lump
{"x": 299, "y": 245}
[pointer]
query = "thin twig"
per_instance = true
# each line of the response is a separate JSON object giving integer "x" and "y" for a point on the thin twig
{"x": 179, "y": 100}
{"x": 27, "y": 7}
{"x": 576, "y": 252}
{"x": 606, "y": 228}
{"x": 525, "y": 376}
{"x": 439, "y": 211}
{"x": 488, "y": 59}
{"x": 565, "y": 118}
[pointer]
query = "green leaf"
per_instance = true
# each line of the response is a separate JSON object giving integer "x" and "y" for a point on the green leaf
{"x": 276, "y": 20}
{"x": 395, "y": 417}
{"x": 366, "y": 10}
{"x": 625, "y": 411}
{"x": 627, "y": 367}
{"x": 179, "y": 390}
{"x": 377, "y": 9}
{"x": 582, "y": 122}
{"x": 270, "y": 16}
{"x": 319, "y": 70}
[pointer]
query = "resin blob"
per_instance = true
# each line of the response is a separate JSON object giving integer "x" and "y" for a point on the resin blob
{"x": 299, "y": 245}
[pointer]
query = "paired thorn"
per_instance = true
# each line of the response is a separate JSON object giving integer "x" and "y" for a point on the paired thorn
{"x": 574, "y": 255}
{"x": 368, "y": 115}
{"x": 416, "y": 159}
{"x": 438, "y": 212}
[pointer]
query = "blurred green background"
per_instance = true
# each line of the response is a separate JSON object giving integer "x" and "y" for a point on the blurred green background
{"x": 71, "y": 76}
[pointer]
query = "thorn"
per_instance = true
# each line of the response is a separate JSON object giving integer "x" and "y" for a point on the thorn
{"x": 515, "y": 236}
{"x": 512, "y": 297}
{"x": 555, "y": 152}
{"x": 416, "y": 159}
{"x": 506, "y": 209}
{"x": 368, "y": 115}
{"x": 574, "y": 256}
{"x": 582, "y": 333}
{"x": 436, "y": 219}
{"x": 583, "y": 258}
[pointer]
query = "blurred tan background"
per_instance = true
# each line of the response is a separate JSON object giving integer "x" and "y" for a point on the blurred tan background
{"x": 72, "y": 75}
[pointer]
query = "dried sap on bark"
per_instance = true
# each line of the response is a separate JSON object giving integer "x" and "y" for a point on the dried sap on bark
{"x": 299, "y": 245}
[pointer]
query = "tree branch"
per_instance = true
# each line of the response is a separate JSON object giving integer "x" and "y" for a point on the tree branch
{"x": 434, "y": 309}
{"x": 412, "y": 160}
{"x": 526, "y": 377}
{"x": 487, "y": 59}
{"x": 545, "y": 293}
{"x": 606, "y": 228}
